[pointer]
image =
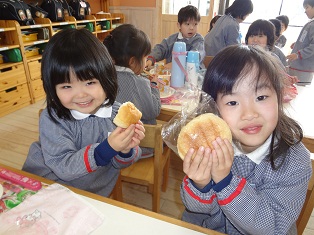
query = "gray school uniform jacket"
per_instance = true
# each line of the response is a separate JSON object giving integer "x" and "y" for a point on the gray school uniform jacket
{"x": 138, "y": 90}
{"x": 226, "y": 32}
{"x": 281, "y": 41}
{"x": 142, "y": 94}
{"x": 304, "y": 47}
{"x": 67, "y": 151}
{"x": 164, "y": 49}
{"x": 253, "y": 198}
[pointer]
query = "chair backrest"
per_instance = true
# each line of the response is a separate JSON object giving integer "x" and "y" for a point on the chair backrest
{"x": 153, "y": 171}
{"x": 207, "y": 60}
{"x": 152, "y": 137}
{"x": 307, "y": 207}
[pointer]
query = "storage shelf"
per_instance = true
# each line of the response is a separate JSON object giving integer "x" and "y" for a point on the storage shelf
{"x": 23, "y": 79}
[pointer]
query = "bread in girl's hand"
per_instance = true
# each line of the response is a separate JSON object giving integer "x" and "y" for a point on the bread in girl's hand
{"x": 127, "y": 114}
{"x": 201, "y": 131}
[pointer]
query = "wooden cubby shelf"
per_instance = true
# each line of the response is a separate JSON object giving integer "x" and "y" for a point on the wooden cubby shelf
{"x": 20, "y": 73}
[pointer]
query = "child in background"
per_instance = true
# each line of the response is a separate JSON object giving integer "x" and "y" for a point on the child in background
{"x": 262, "y": 33}
{"x": 277, "y": 25}
{"x": 227, "y": 29}
{"x": 258, "y": 183}
{"x": 302, "y": 56}
{"x": 284, "y": 20}
{"x": 78, "y": 143}
{"x": 188, "y": 20}
{"x": 129, "y": 47}
{"x": 213, "y": 21}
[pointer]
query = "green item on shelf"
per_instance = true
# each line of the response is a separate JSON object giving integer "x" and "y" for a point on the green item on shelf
{"x": 107, "y": 24}
{"x": 13, "y": 55}
{"x": 90, "y": 27}
{"x": 70, "y": 26}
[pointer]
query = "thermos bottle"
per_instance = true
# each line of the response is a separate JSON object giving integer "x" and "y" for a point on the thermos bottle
{"x": 192, "y": 66}
{"x": 178, "y": 65}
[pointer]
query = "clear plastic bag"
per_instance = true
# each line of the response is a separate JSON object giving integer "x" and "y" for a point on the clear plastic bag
{"x": 194, "y": 103}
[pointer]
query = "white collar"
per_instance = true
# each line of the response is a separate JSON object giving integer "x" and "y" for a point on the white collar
{"x": 180, "y": 36}
{"x": 103, "y": 112}
{"x": 257, "y": 155}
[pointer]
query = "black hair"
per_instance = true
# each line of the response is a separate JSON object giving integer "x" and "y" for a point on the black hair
{"x": 277, "y": 25}
{"x": 240, "y": 8}
{"x": 283, "y": 19}
{"x": 262, "y": 27}
{"x": 232, "y": 64}
{"x": 308, "y": 2}
{"x": 188, "y": 13}
{"x": 213, "y": 21}
{"x": 76, "y": 51}
{"x": 125, "y": 42}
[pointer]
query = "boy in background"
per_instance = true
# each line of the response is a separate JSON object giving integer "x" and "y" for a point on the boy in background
{"x": 281, "y": 41}
{"x": 188, "y": 21}
{"x": 301, "y": 58}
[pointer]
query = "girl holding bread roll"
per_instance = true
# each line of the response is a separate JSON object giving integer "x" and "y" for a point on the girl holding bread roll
{"x": 256, "y": 183}
{"x": 129, "y": 47}
{"x": 79, "y": 144}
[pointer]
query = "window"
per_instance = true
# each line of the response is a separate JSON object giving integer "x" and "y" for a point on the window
{"x": 173, "y": 6}
{"x": 270, "y": 9}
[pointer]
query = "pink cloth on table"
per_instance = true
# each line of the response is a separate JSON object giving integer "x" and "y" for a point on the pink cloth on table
{"x": 52, "y": 210}
{"x": 174, "y": 99}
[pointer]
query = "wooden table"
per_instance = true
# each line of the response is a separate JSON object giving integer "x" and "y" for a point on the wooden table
{"x": 122, "y": 218}
{"x": 300, "y": 109}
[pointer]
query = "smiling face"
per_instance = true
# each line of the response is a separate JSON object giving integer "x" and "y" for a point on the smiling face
{"x": 309, "y": 11}
{"x": 188, "y": 28}
{"x": 260, "y": 40}
{"x": 251, "y": 111}
{"x": 83, "y": 96}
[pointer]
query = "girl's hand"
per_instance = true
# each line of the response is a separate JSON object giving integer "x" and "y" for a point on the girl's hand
{"x": 292, "y": 57}
{"x": 168, "y": 66}
{"x": 198, "y": 169}
{"x": 222, "y": 159}
{"x": 123, "y": 140}
{"x": 292, "y": 45}
{"x": 148, "y": 64}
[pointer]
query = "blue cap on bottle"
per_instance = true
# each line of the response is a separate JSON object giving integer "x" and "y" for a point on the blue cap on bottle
{"x": 193, "y": 57}
{"x": 179, "y": 47}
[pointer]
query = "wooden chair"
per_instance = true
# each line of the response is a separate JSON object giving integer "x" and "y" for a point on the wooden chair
{"x": 307, "y": 207}
{"x": 207, "y": 60}
{"x": 152, "y": 172}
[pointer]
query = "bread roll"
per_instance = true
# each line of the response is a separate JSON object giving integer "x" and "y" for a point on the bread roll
{"x": 201, "y": 131}
{"x": 127, "y": 114}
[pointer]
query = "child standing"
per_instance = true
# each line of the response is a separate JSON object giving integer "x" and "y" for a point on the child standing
{"x": 78, "y": 143}
{"x": 258, "y": 183}
{"x": 188, "y": 20}
{"x": 227, "y": 28}
{"x": 302, "y": 56}
{"x": 129, "y": 47}
{"x": 284, "y": 20}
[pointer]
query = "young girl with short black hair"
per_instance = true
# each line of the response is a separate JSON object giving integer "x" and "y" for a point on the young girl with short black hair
{"x": 257, "y": 184}
{"x": 79, "y": 145}
{"x": 129, "y": 47}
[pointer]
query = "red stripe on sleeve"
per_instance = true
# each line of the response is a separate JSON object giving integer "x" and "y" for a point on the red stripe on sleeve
{"x": 234, "y": 194}
{"x": 193, "y": 195}
{"x": 88, "y": 168}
